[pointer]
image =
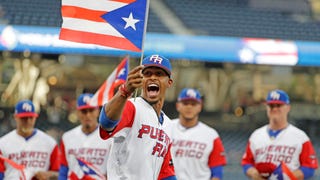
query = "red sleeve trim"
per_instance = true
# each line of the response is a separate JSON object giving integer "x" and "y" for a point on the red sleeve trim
{"x": 247, "y": 157}
{"x": 217, "y": 156}
{"x": 63, "y": 157}
{"x": 308, "y": 156}
{"x": 55, "y": 159}
{"x": 126, "y": 120}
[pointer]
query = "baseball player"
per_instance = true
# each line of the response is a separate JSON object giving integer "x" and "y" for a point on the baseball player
{"x": 28, "y": 146}
{"x": 197, "y": 149}
{"x": 83, "y": 142}
{"x": 279, "y": 142}
{"x": 141, "y": 145}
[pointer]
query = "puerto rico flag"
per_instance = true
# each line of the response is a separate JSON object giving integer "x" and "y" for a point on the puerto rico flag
{"x": 282, "y": 173}
{"x": 118, "y": 24}
{"x": 16, "y": 166}
{"x": 85, "y": 171}
{"x": 107, "y": 89}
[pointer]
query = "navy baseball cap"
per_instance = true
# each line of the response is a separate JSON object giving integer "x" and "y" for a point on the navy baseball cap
{"x": 278, "y": 97}
{"x": 84, "y": 101}
{"x": 25, "y": 108}
{"x": 158, "y": 61}
{"x": 189, "y": 94}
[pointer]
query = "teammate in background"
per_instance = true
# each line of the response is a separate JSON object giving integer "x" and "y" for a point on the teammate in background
{"x": 197, "y": 149}
{"x": 28, "y": 146}
{"x": 279, "y": 142}
{"x": 83, "y": 143}
{"x": 141, "y": 146}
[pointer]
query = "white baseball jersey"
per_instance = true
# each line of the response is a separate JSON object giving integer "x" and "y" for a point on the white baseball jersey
{"x": 291, "y": 146}
{"x": 195, "y": 150}
{"x": 38, "y": 152}
{"x": 141, "y": 146}
{"x": 87, "y": 147}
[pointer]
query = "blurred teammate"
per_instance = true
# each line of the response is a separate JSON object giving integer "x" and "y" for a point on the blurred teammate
{"x": 28, "y": 146}
{"x": 141, "y": 146}
{"x": 279, "y": 142}
{"x": 83, "y": 143}
{"x": 197, "y": 149}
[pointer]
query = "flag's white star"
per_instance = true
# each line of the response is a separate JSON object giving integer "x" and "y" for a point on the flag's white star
{"x": 273, "y": 177}
{"x": 130, "y": 21}
{"x": 85, "y": 169}
{"x": 122, "y": 71}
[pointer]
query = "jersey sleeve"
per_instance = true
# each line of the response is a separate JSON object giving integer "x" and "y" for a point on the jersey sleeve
{"x": 2, "y": 167}
{"x": 217, "y": 156}
{"x": 308, "y": 156}
{"x": 167, "y": 168}
{"x": 126, "y": 120}
{"x": 64, "y": 168}
{"x": 55, "y": 159}
{"x": 63, "y": 156}
{"x": 247, "y": 158}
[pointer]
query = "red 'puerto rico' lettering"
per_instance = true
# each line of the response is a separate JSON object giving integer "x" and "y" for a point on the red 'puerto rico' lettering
{"x": 163, "y": 140}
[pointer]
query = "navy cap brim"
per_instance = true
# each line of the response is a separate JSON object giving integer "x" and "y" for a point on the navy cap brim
{"x": 159, "y": 66}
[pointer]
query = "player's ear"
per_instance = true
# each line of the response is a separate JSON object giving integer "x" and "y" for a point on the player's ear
{"x": 170, "y": 82}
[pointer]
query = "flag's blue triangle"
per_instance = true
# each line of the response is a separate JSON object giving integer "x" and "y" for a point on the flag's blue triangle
{"x": 138, "y": 11}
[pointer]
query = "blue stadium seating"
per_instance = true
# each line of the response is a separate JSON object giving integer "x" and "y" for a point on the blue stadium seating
{"x": 236, "y": 18}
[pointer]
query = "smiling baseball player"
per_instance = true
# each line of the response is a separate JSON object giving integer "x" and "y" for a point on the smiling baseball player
{"x": 141, "y": 145}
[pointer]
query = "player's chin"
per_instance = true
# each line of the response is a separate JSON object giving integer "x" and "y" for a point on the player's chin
{"x": 152, "y": 100}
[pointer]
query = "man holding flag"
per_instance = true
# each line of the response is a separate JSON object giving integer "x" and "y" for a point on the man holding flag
{"x": 279, "y": 144}
{"x": 138, "y": 126}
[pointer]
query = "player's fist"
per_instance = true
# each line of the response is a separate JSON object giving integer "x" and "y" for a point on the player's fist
{"x": 134, "y": 79}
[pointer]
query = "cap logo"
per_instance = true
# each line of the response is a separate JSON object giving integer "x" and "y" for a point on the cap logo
{"x": 156, "y": 59}
{"x": 275, "y": 95}
{"x": 191, "y": 93}
{"x": 26, "y": 107}
{"x": 86, "y": 99}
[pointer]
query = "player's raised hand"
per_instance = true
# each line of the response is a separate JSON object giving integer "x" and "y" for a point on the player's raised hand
{"x": 134, "y": 79}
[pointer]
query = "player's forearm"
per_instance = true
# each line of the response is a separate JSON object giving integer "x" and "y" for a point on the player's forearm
{"x": 114, "y": 107}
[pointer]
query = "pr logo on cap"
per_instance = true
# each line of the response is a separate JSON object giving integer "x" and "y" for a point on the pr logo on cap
{"x": 278, "y": 97}
{"x": 158, "y": 61}
{"x": 189, "y": 94}
{"x": 25, "y": 108}
{"x": 84, "y": 101}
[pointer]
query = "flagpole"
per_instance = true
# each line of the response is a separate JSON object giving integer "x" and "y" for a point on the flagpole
{"x": 143, "y": 38}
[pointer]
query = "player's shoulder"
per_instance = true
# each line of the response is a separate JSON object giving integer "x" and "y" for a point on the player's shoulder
{"x": 72, "y": 132}
{"x": 44, "y": 136}
{"x": 206, "y": 128}
{"x": 260, "y": 130}
{"x": 8, "y": 136}
{"x": 174, "y": 121}
{"x": 293, "y": 130}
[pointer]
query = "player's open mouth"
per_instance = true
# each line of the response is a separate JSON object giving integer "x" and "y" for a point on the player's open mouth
{"x": 153, "y": 89}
